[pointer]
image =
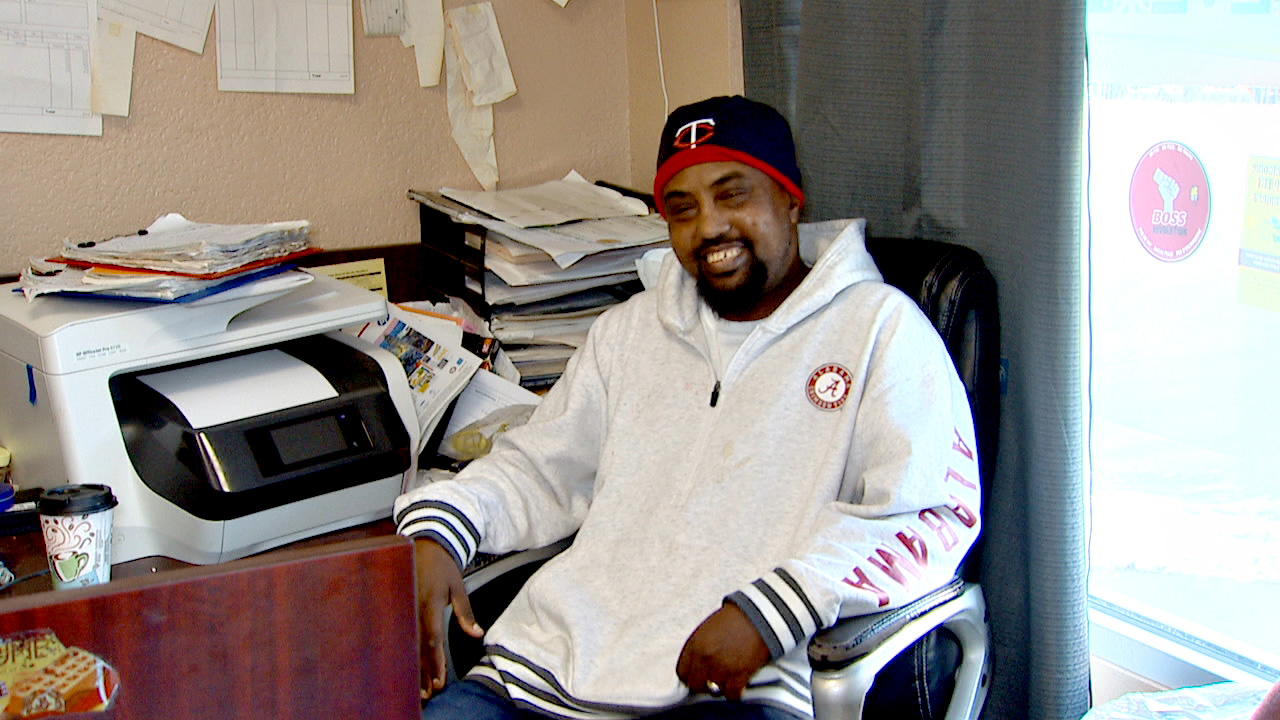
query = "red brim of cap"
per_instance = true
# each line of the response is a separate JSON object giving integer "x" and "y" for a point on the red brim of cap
{"x": 715, "y": 153}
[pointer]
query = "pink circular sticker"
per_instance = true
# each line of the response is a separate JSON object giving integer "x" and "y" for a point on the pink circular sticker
{"x": 1169, "y": 201}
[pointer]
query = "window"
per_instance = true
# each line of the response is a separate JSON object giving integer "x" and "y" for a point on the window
{"x": 1183, "y": 261}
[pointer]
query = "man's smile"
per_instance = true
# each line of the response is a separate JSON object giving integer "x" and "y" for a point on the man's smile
{"x": 725, "y": 258}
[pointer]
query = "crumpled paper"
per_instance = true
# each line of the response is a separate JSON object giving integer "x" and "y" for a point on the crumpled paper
{"x": 471, "y": 125}
{"x": 478, "y": 75}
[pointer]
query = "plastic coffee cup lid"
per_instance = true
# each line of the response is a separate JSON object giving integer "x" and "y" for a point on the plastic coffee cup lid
{"x": 76, "y": 500}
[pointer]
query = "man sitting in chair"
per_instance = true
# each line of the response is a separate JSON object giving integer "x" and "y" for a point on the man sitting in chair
{"x": 765, "y": 440}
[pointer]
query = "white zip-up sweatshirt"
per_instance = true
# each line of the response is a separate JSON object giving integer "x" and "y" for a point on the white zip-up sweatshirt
{"x": 833, "y": 475}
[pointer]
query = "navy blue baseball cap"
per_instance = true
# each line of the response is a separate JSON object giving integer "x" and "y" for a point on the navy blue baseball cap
{"x": 728, "y": 128}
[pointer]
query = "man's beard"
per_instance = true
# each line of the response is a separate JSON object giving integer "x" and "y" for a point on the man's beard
{"x": 740, "y": 299}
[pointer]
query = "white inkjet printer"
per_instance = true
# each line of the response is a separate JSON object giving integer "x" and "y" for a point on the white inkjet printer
{"x": 224, "y": 426}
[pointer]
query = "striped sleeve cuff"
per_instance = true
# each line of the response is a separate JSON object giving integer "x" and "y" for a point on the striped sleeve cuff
{"x": 779, "y": 610}
{"x": 443, "y": 523}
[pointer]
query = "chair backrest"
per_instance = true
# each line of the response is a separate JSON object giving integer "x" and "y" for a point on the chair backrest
{"x": 957, "y": 292}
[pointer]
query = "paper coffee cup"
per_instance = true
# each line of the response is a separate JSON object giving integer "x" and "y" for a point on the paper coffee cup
{"x": 76, "y": 523}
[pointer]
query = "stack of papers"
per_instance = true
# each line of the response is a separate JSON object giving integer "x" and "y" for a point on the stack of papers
{"x": 556, "y": 256}
{"x": 173, "y": 259}
{"x": 175, "y": 244}
{"x": 562, "y": 236}
{"x": 45, "y": 277}
{"x": 563, "y": 320}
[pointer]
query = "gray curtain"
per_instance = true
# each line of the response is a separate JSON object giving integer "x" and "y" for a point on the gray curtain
{"x": 962, "y": 121}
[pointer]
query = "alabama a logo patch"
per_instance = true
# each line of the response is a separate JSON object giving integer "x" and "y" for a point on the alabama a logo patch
{"x": 829, "y": 386}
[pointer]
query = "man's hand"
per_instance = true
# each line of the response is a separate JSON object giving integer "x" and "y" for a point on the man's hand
{"x": 439, "y": 586}
{"x": 724, "y": 652}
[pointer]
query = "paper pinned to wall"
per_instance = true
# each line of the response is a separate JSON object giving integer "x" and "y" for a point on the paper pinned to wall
{"x": 471, "y": 125}
{"x": 425, "y": 34}
{"x": 383, "y": 17}
{"x": 473, "y": 31}
{"x": 290, "y": 46}
{"x": 184, "y": 23}
{"x": 113, "y": 68}
{"x": 44, "y": 67}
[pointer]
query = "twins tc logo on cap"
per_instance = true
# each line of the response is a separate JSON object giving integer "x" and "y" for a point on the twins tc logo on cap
{"x": 727, "y": 129}
{"x": 829, "y": 386}
{"x": 692, "y": 133}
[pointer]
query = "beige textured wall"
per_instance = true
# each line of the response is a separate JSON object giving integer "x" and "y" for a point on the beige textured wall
{"x": 345, "y": 162}
{"x": 701, "y": 56}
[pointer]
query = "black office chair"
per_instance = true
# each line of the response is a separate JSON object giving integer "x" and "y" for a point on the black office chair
{"x": 927, "y": 659}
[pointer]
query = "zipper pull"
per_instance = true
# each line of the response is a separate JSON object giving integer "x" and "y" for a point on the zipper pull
{"x": 715, "y": 394}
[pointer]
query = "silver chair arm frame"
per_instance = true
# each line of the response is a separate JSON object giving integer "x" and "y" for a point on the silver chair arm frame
{"x": 840, "y": 693}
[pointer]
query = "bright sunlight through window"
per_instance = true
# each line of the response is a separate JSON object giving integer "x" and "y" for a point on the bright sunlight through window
{"x": 1184, "y": 318}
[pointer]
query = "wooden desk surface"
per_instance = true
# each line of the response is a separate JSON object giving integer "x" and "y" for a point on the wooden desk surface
{"x": 323, "y": 628}
{"x": 23, "y": 554}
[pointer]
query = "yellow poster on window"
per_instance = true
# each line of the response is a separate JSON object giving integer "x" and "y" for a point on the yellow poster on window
{"x": 1260, "y": 236}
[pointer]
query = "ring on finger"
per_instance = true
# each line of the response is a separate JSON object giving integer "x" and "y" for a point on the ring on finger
{"x": 713, "y": 687}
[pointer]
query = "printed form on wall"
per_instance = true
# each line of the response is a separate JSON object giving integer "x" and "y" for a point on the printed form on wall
{"x": 290, "y": 47}
{"x": 113, "y": 67}
{"x": 184, "y": 23}
{"x": 44, "y": 67}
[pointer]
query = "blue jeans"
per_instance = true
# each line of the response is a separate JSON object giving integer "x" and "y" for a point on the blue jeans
{"x": 470, "y": 700}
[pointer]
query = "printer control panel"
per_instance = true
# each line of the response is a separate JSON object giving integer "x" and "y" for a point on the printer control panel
{"x": 299, "y": 443}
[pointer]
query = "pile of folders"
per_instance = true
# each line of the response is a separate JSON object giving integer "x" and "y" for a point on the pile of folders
{"x": 173, "y": 260}
{"x": 556, "y": 255}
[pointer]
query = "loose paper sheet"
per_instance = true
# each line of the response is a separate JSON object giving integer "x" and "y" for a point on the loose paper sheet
{"x": 261, "y": 382}
{"x": 45, "y": 56}
{"x": 184, "y": 23}
{"x": 425, "y": 34}
{"x": 486, "y": 393}
{"x": 551, "y": 203}
{"x": 482, "y": 58}
{"x": 571, "y": 242}
{"x": 113, "y": 68}
{"x": 369, "y": 274}
{"x": 383, "y": 17}
{"x": 471, "y": 125}
{"x": 297, "y": 46}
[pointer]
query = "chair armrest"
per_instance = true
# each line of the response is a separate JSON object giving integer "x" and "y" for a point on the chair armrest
{"x": 853, "y": 637}
{"x": 485, "y": 568}
{"x": 847, "y": 656}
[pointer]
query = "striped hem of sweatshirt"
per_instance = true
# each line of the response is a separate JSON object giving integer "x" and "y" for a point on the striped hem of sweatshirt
{"x": 531, "y": 687}
{"x": 780, "y": 611}
{"x": 443, "y": 523}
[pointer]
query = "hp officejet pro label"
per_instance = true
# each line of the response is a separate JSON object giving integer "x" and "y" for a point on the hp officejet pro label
{"x": 100, "y": 352}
